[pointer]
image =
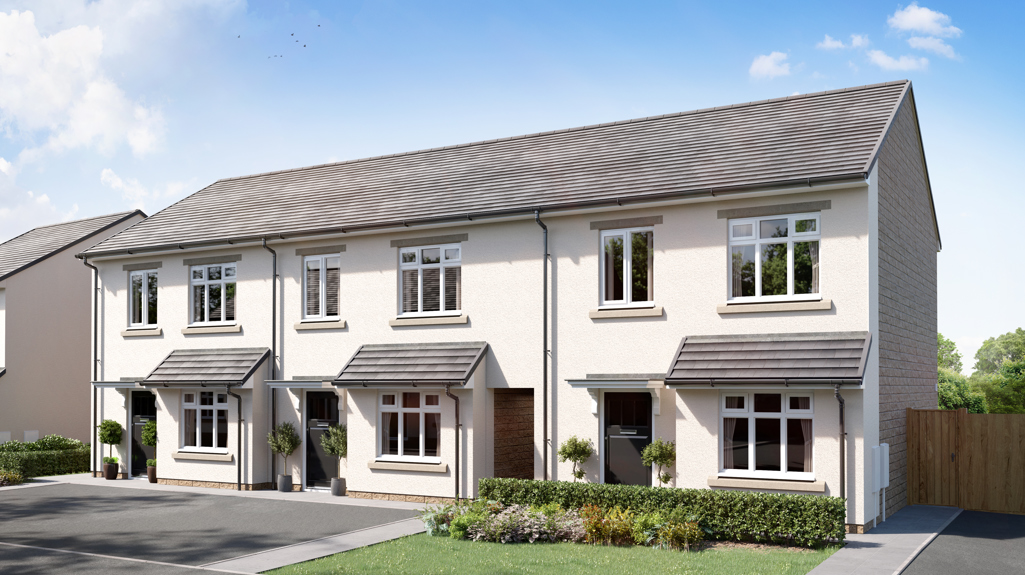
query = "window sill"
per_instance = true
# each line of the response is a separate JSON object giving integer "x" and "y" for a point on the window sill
{"x": 439, "y": 320}
{"x": 418, "y": 467}
{"x": 625, "y": 312}
{"x": 199, "y": 456}
{"x": 142, "y": 332}
{"x": 320, "y": 324}
{"x": 767, "y": 484}
{"x": 821, "y": 305}
{"x": 196, "y": 330}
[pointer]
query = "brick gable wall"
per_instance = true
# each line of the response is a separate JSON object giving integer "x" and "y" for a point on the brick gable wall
{"x": 907, "y": 293}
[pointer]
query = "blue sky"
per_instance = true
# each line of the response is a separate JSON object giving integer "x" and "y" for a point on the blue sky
{"x": 109, "y": 105}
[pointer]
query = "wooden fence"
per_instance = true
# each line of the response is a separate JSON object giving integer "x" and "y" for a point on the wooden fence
{"x": 972, "y": 461}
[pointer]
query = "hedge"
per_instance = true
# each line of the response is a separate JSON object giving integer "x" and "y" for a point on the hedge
{"x": 729, "y": 515}
{"x": 45, "y": 443}
{"x": 39, "y": 463}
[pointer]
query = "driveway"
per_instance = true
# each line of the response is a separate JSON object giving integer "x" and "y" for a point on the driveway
{"x": 975, "y": 542}
{"x": 177, "y": 529}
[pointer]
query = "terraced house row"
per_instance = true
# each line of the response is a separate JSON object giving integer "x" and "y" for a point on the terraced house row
{"x": 756, "y": 283}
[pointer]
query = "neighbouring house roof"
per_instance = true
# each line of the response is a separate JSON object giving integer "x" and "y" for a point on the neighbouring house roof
{"x": 412, "y": 364}
{"x": 211, "y": 367}
{"x": 36, "y": 245}
{"x": 773, "y": 359}
{"x": 797, "y": 140}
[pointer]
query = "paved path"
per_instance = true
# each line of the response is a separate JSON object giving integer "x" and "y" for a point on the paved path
{"x": 976, "y": 542}
{"x": 890, "y": 547}
{"x": 95, "y": 526}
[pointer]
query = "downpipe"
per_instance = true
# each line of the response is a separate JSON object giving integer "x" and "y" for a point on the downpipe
{"x": 238, "y": 438}
{"x": 544, "y": 335}
{"x": 95, "y": 356}
{"x": 448, "y": 392}
{"x": 273, "y": 349}
{"x": 843, "y": 456}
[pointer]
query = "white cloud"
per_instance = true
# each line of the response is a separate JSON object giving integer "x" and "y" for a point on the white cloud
{"x": 904, "y": 63}
{"x": 830, "y": 44}
{"x": 5, "y": 167}
{"x": 135, "y": 193}
{"x": 931, "y": 44}
{"x": 915, "y": 18}
{"x": 22, "y": 210}
{"x": 858, "y": 41}
{"x": 54, "y": 86}
{"x": 770, "y": 66}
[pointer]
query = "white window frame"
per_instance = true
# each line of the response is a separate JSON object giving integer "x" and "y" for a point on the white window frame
{"x": 627, "y": 301}
{"x": 195, "y": 405}
{"x": 397, "y": 408}
{"x": 750, "y": 415}
{"x": 146, "y": 324}
{"x": 323, "y": 316}
{"x": 754, "y": 240}
{"x": 442, "y": 264}
{"x": 206, "y": 292}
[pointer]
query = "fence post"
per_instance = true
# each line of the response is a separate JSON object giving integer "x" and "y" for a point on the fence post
{"x": 911, "y": 457}
{"x": 959, "y": 468}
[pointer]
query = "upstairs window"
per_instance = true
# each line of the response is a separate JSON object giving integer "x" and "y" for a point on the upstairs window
{"x": 142, "y": 304}
{"x": 774, "y": 258}
{"x": 431, "y": 280}
{"x": 204, "y": 421}
{"x": 213, "y": 293}
{"x": 627, "y": 267}
{"x": 321, "y": 283}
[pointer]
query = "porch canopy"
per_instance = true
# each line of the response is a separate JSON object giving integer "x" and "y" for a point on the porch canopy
{"x": 230, "y": 367}
{"x": 416, "y": 365}
{"x": 772, "y": 359}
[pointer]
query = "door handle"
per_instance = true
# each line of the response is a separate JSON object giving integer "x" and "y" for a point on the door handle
{"x": 951, "y": 457}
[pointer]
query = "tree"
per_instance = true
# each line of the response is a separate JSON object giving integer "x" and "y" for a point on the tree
{"x": 1005, "y": 390}
{"x": 996, "y": 350}
{"x": 110, "y": 434}
{"x": 578, "y": 451}
{"x": 336, "y": 442}
{"x": 149, "y": 433}
{"x": 947, "y": 356}
{"x": 955, "y": 393}
{"x": 660, "y": 453}
{"x": 284, "y": 440}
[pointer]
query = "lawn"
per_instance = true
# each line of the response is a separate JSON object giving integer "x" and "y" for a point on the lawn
{"x": 421, "y": 554}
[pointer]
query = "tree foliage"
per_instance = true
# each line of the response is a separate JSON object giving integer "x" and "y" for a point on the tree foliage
{"x": 947, "y": 356}
{"x": 997, "y": 350}
{"x": 660, "y": 453}
{"x": 149, "y": 433}
{"x": 1004, "y": 390}
{"x": 336, "y": 442}
{"x": 578, "y": 451}
{"x": 955, "y": 392}
{"x": 283, "y": 440}
{"x": 110, "y": 433}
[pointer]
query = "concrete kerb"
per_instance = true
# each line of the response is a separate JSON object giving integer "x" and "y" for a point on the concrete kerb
{"x": 143, "y": 561}
{"x": 926, "y": 543}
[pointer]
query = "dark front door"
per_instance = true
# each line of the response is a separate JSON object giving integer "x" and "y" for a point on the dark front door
{"x": 144, "y": 408}
{"x": 627, "y": 433}
{"x": 321, "y": 412}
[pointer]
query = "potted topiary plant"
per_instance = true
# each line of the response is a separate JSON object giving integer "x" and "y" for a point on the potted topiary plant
{"x": 284, "y": 440}
{"x": 578, "y": 451}
{"x": 110, "y": 434}
{"x": 660, "y": 453}
{"x": 149, "y": 439}
{"x": 336, "y": 442}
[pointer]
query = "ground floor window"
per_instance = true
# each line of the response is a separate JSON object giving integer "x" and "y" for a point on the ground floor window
{"x": 204, "y": 420}
{"x": 767, "y": 435}
{"x": 410, "y": 426}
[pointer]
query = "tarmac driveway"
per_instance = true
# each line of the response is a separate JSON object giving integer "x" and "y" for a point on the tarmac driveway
{"x": 168, "y": 527}
{"x": 975, "y": 542}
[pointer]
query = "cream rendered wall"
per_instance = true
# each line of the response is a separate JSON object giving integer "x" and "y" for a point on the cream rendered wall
{"x": 691, "y": 274}
{"x": 47, "y": 343}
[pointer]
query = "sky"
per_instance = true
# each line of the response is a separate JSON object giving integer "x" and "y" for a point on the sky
{"x": 110, "y": 105}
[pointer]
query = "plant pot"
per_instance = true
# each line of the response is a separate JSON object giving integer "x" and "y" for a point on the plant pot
{"x": 338, "y": 486}
{"x": 284, "y": 483}
{"x": 110, "y": 470}
{"x": 151, "y": 473}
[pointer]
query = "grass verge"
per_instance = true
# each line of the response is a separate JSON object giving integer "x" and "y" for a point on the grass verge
{"x": 421, "y": 554}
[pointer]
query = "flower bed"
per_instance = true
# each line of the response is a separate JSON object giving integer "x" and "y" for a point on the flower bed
{"x": 50, "y": 455}
{"x": 10, "y": 478}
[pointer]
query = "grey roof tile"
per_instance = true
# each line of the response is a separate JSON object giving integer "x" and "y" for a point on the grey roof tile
{"x": 207, "y": 366}
{"x": 825, "y": 135}
{"x": 438, "y": 363}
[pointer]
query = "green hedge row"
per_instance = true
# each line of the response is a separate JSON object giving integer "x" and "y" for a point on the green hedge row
{"x": 731, "y": 515}
{"x": 40, "y": 463}
{"x": 45, "y": 443}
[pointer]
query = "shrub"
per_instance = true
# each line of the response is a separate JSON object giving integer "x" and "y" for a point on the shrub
{"x": 284, "y": 440}
{"x": 612, "y": 527}
{"x": 578, "y": 451}
{"x": 646, "y": 526}
{"x": 110, "y": 433}
{"x": 45, "y": 443}
{"x": 151, "y": 463}
{"x": 674, "y": 535}
{"x": 149, "y": 433}
{"x": 336, "y": 442}
{"x": 39, "y": 463}
{"x": 660, "y": 453}
{"x": 521, "y": 524}
{"x": 110, "y": 460}
{"x": 10, "y": 478}
{"x": 728, "y": 515}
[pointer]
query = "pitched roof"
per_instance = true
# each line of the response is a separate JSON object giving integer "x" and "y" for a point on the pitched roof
{"x": 774, "y": 358}
{"x": 40, "y": 243}
{"x": 825, "y": 136}
{"x": 208, "y": 366}
{"x": 431, "y": 363}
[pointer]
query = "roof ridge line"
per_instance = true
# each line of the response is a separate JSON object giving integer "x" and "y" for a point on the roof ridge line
{"x": 114, "y": 214}
{"x": 574, "y": 129}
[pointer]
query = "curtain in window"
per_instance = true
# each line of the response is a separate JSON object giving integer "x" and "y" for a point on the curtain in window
{"x": 332, "y": 286}
{"x": 729, "y": 426}
{"x": 410, "y": 291}
{"x": 190, "y": 427}
{"x": 806, "y": 428}
{"x": 136, "y": 298}
{"x": 198, "y": 303}
{"x": 453, "y": 289}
